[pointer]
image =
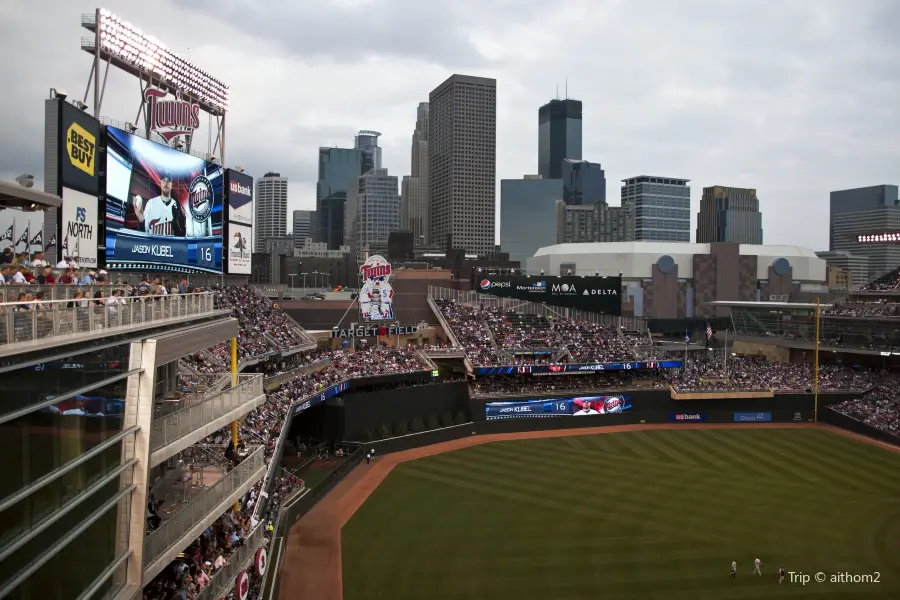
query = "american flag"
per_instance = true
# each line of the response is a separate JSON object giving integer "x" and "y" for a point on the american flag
{"x": 709, "y": 332}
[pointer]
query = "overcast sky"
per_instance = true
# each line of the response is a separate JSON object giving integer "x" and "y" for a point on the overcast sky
{"x": 793, "y": 98}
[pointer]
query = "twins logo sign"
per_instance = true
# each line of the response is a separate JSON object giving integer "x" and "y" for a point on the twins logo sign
{"x": 376, "y": 296}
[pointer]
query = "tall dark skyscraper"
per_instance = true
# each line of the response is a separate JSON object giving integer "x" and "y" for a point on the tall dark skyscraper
{"x": 559, "y": 136}
{"x": 462, "y": 163}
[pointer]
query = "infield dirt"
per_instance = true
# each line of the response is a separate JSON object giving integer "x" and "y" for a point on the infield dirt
{"x": 312, "y": 562}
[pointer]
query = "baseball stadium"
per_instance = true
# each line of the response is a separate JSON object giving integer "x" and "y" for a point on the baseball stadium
{"x": 641, "y": 421}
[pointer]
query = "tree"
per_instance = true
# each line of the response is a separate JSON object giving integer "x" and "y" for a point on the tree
{"x": 417, "y": 425}
{"x": 400, "y": 428}
{"x": 432, "y": 422}
{"x": 365, "y": 434}
{"x": 383, "y": 432}
{"x": 446, "y": 419}
{"x": 460, "y": 418}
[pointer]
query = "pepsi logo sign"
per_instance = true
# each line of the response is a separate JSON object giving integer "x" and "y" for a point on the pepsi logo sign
{"x": 485, "y": 284}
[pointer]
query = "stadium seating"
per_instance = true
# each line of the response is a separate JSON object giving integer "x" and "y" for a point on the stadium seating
{"x": 888, "y": 282}
{"x": 491, "y": 336}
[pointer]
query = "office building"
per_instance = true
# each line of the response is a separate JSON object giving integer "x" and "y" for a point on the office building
{"x": 527, "y": 210}
{"x": 661, "y": 207}
{"x": 595, "y": 222}
{"x": 270, "y": 208}
{"x": 338, "y": 169}
{"x": 559, "y": 136}
{"x": 373, "y": 210}
{"x": 729, "y": 214}
{"x": 302, "y": 227}
{"x": 367, "y": 142}
{"x": 583, "y": 182}
{"x": 414, "y": 187}
{"x": 860, "y": 211}
{"x": 852, "y": 266}
{"x": 462, "y": 161}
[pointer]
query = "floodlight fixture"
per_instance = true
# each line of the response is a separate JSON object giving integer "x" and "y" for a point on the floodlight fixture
{"x": 55, "y": 94}
{"x": 126, "y": 43}
{"x": 80, "y": 105}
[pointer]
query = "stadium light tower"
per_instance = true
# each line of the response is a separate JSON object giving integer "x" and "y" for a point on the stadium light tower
{"x": 117, "y": 42}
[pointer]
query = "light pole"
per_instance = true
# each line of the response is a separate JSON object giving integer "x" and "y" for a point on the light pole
{"x": 292, "y": 275}
{"x": 303, "y": 275}
{"x": 315, "y": 275}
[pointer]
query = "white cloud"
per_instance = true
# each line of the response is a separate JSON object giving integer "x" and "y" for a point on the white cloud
{"x": 793, "y": 98}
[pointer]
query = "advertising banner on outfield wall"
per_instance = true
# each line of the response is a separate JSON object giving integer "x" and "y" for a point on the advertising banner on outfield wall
{"x": 594, "y": 294}
{"x": 687, "y": 417}
{"x": 752, "y": 417}
{"x": 557, "y": 407}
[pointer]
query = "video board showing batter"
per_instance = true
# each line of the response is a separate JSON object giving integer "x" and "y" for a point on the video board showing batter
{"x": 558, "y": 407}
{"x": 163, "y": 207}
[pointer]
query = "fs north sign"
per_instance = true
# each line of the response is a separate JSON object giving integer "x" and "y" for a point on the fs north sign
{"x": 170, "y": 117}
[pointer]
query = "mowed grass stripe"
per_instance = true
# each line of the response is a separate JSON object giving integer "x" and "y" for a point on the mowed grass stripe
{"x": 583, "y": 505}
{"x": 612, "y": 473}
{"x": 613, "y": 485}
{"x": 613, "y": 528}
{"x": 841, "y": 457}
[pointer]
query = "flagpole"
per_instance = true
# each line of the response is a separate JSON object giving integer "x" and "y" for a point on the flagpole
{"x": 816, "y": 380}
{"x": 726, "y": 351}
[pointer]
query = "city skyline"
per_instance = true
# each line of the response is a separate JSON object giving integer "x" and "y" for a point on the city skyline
{"x": 770, "y": 120}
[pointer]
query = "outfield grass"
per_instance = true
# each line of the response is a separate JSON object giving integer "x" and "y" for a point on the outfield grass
{"x": 654, "y": 514}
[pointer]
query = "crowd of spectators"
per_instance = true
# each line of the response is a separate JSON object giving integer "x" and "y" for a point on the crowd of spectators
{"x": 880, "y": 308}
{"x": 880, "y": 408}
{"x": 185, "y": 577}
{"x": 469, "y": 327}
{"x": 264, "y": 329}
{"x": 373, "y": 360}
{"x": 504, "y": 385}
{"x": 755, "y": 373}
{"x": 484, "y": 331}
{"x": 886, "y": 283}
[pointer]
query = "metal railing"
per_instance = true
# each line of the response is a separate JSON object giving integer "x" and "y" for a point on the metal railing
{"x": 31, "y": 321}
{"x": 224, "y": 579}
{"x": 203, "y": 409}
{"x": 277, "y": 381}
{"x": 201, "y": 510}
{"x": 10, "y": 293}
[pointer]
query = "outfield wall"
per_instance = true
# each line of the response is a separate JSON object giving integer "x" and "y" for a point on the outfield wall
{"x": 832, "y": 417}
{"x": 359, "y": 415}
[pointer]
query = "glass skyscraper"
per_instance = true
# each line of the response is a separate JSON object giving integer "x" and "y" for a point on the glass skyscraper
{"x": 661, "y": 208}
{"x": 339, "y": 168}
{"x": 583, "y": 182}
{"x": 559, "y": 136}
{"x": 874, "y": 209}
